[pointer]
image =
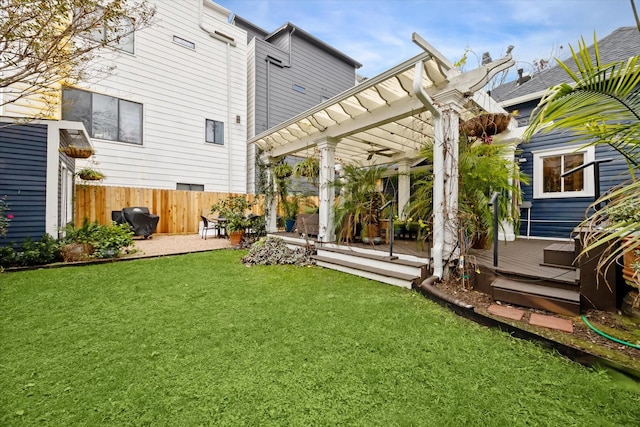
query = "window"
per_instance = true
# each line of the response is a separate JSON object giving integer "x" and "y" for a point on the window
{"x": 119, "y": 35}
{"x": 105, "y": 117}
{"x": 189, "y": 187}
{"x": 214, "y": 132}
{"x": 184, "y": 42}
{"x": 298, "y": 88}
{"x": 548, "y": 167}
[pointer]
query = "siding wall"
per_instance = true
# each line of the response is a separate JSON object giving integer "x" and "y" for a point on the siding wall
{"x": 23, "y": 168}
{"x": 271, "y": 96}
{"x": 558, "y": 217}
{"x": 179, "y": 88}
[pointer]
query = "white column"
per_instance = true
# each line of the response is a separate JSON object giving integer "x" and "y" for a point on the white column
{"x": 326, "y": 189}
{"x": 404, "y": 187}
{"x": 450, "y": 147}
{"x": 506, "y": 232}
{"x": 271, "y": 202}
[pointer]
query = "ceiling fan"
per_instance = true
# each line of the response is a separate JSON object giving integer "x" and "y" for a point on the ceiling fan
{"x": 387, "y": 152}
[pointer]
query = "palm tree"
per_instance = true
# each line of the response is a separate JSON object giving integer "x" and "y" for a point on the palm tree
{"x": 601, "y": 106}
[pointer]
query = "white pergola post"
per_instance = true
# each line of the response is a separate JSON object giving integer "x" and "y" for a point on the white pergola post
{"x": 507, "y": 232}
{"x": 327, "y": 147}
{"x": 450, "y": 146}
{"x": 271, "y": 201}
{"x": 404, "y": 187}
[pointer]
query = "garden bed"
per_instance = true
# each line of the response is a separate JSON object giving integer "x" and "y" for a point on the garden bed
{"x": 582, "y": 337}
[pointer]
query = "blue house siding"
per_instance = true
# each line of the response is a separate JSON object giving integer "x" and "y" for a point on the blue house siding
{"x": 23, "y": 166}
{"x": 557, "y": 217}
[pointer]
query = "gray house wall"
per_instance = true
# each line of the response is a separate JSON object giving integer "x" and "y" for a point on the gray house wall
{"x": 23, "y": 170}
{"x": 278, "y": 61}
{"x": 321, "y": 74}
{"x": 558, "y": 217}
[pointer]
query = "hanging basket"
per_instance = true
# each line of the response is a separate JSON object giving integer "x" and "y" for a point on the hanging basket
{"x": 90, "y": 175}
{"x": 77, "y": 152}
{"x": 486, "y": 124}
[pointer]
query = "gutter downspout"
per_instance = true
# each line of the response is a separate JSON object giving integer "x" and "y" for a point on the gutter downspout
{"x": 438, "y": 170}
{"x": 229, "y": 42}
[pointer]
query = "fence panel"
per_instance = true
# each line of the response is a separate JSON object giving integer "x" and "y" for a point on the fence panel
{"x": 179, "y": 210}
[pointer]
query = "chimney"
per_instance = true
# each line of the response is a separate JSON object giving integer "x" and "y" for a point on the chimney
{"x": 522, "y": 78}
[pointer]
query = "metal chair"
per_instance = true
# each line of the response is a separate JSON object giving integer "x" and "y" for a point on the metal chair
{"x": 208, "y": 224}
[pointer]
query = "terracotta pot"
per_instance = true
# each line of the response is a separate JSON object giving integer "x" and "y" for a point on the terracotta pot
{"x": 235, "y": 237}
{"x": 628, "y": 272}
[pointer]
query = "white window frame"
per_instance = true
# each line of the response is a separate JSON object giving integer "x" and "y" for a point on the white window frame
{"x": 538, "y": 173}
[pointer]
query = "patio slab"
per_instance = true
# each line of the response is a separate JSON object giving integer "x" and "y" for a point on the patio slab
{"x": 551, "y": 322}
{"x": 507, "y": 312}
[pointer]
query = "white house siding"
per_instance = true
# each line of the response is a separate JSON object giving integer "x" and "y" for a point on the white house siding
{"x": 251, "y": 112}
{"x": 180, "y": 88}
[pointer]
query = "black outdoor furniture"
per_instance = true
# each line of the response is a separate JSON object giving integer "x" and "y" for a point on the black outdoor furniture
{"x": 142, "y": 222}
{"x": 216, "y": 224}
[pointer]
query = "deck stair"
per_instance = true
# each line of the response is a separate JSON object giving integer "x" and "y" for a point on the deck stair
{"x": 557, "y": 297}
{"x": 374, "y": 265}
{"x": 560, "y": 255}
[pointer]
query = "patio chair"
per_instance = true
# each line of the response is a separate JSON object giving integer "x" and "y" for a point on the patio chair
{"x": 209, "y": 224}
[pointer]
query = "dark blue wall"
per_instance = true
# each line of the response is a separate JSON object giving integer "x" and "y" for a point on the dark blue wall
{"x": 23, "y": 169}
{"x": 558, "y": 217}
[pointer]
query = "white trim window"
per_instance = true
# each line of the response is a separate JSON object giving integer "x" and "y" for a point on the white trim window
{"x": 548, "y": 167}
{"x": 214, "y": 132}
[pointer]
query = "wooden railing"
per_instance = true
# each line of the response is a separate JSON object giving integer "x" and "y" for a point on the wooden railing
{"x": 179, "y": 210}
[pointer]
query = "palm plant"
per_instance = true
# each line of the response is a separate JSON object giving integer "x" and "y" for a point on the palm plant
{"x": 601, "y": 106}
{"x": 483, "y": 169}
{"x": 360, "y": 200}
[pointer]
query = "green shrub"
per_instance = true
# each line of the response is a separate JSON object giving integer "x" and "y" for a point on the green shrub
{"x": 44, "y": 251}
{"x": 110, "y": 240}
{"x": 106, "y": 240}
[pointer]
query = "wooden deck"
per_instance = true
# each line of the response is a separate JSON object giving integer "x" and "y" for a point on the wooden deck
{"x": 523, "y": 257}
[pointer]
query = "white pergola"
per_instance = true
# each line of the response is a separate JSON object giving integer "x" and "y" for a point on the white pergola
{"x": 386, "y": 120}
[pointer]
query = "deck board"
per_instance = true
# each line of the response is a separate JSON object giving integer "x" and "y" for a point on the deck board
{"x": 521, "y": 256}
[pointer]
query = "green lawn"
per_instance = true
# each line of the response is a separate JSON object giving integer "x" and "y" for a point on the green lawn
{"x": 202, "y": 340}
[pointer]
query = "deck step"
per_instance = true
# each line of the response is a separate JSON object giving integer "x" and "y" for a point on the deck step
{"x": 560, "y": 254}
{"x": 384, "y": 275}
{"x": 376, "y": 260}
{"x": 555, "y": 300}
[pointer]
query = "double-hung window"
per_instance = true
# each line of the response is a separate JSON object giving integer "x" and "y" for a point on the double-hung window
{"x": 104, "y": 117}
{"x": 550, "y": 165}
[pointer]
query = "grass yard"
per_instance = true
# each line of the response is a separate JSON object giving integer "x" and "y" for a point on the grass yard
{"x": 201, "y": 340}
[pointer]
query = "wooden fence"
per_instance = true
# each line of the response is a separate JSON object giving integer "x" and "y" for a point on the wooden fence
{"x": 179, "y": 210}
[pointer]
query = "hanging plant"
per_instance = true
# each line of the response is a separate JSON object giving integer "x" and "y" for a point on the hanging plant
{"x": 89, "y": 174}
{"x": 77, "y": 152}
{"x": 486, "y": 125}
{"x": 282, "y": 170}
{"x": 308, "y": 168}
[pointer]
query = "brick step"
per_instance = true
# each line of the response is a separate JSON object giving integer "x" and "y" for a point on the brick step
{"x": 535, "y": 295}
{"x": 384, "y": 275}
{"x": 560, "y": 254}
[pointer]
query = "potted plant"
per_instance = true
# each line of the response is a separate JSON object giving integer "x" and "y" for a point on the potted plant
{"x": 89, "y": 174}
{"x": 358, "y": 212}
{"x": 233, "y": 212}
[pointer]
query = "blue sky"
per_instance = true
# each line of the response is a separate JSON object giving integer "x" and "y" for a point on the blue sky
{"x": 377, "y": 33}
